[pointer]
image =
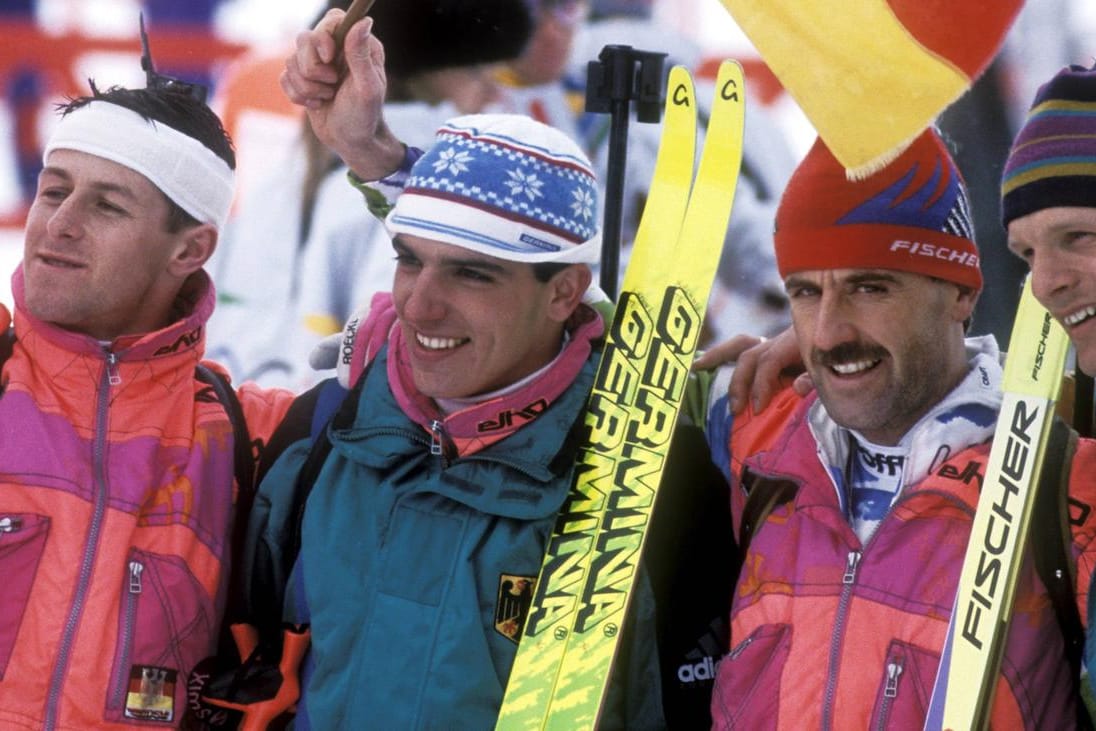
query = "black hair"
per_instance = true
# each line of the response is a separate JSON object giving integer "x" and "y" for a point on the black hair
{"x": 545, "y": 270}
{"x": 176, "y": 109}
{"x": 425, "y": 35}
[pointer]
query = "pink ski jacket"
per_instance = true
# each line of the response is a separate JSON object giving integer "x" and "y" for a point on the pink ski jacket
{"x": 116, "y": 504}
{"x": 829, "y": 633}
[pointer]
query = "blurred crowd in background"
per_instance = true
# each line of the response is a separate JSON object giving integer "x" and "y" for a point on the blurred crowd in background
{"x": 301, "y": 254}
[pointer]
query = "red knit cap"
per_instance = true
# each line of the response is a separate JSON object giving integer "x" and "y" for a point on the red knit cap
{"x": 912, "y": 216}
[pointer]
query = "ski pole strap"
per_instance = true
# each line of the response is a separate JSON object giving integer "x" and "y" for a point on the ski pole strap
{"x": 7, "y": 344}
{"x": 764, "y": 496}
{"x": 1051, "y": 539}
{"x": 244, "y": 471}
{"x": 1082, "y": 403}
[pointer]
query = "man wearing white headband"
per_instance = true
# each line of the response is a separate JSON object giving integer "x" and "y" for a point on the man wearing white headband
{"x": 116, "y": 459}
{"x": 424, "y": 528}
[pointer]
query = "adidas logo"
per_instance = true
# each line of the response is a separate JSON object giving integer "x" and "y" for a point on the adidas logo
{"x": 701, "y": 671}
{"x": 702, "y": 661}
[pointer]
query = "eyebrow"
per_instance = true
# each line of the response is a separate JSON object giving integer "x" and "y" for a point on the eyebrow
{"x": 484, "y": 264}
{"x": 872, "y": 276}
{"x": 793, "y": 281}
{"x": 100, "y": 185}
{"x": 857, "y": 278}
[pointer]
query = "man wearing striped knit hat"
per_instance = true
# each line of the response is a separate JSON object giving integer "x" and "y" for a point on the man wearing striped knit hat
{"x": 1048, "y": 202}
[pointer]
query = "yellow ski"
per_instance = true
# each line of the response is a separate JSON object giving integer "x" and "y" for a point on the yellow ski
{"x": 566, "y": 653}
{"x": 963, "y": 693}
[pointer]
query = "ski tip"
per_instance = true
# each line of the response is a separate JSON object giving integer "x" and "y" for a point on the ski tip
{"x": 680, "y": 89}
{"x": 730, "y": 81}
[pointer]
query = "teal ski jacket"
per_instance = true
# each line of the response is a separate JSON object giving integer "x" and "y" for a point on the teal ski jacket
{"x": 420, "y": 543}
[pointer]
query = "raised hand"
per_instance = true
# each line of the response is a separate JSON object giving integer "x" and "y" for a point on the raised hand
{"x": 343, "y": 93}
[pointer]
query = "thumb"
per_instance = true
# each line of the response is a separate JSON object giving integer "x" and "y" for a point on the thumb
{"x": 362, "y": 50}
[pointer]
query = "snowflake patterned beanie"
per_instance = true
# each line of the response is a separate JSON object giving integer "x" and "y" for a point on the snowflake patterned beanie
{"x": 911, "y": 216}
{"x": 503, "y": 185}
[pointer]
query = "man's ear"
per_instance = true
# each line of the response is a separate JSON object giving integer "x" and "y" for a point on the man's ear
{"x": 566, "y": 288}
{"x": 195, "y": 246}
{"x": 963, "y": 305}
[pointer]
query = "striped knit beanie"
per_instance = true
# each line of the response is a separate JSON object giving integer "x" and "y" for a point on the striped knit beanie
{"x": 911, "y": 216}
{"x": 503, "y": 185}
{"x": 1053, "y": 159}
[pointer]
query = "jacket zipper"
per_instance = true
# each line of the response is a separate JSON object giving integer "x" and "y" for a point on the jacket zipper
{"x": 890, "y": 690}
{"x": 440, "y": 443}
{"x": 436, "y": 434}
{"x": 852, "y": 560}
{"x": 134, "y": 586}
{"x": 740, "y": 648}
{"x": 57, "y": 679}
{"x": 112, "y": 370}
{"x": 847, "y": 579}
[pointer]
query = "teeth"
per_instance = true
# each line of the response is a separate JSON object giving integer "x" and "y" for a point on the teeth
{"x": 847, "y": 369}
{"x": 1080, "y": 315}
{"x": 438, "y": 343}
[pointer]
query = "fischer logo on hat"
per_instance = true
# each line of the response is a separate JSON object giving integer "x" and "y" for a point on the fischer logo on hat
{"x": 912, "y": 216}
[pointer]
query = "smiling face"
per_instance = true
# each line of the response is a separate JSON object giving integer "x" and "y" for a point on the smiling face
{"x": 882, "y": 346}
{"x": 475, "y": 323}
{"x": 97, "y": 256}
{"x": 1059, "y": 244}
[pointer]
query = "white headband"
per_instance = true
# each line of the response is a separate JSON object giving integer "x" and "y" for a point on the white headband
{"x": 188, "y": 172}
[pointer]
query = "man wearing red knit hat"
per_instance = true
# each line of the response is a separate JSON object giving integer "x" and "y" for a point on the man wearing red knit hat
{"x": 853, "y": 504}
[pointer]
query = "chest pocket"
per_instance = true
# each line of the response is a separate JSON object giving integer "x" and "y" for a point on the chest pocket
{"x": 419, "y": 553}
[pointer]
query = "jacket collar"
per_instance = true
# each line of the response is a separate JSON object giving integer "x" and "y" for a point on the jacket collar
{"x": 964, "y": 418}
{"x": 185, "y": 336}
{"x": 482, "y": 424}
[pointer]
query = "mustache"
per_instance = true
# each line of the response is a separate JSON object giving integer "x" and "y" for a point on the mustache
{"x": 846, "y": 353}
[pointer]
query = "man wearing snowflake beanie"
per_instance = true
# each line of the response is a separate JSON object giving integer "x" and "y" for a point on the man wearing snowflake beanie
{"x": 424, "y": 531}
{"x": 854, "y": 503}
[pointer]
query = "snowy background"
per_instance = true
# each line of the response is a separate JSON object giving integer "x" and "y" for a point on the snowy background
{"x": 257, "y": 25}
{"x": 97, "y": 38}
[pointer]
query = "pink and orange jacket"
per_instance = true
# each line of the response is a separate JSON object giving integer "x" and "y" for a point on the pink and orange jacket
{"x": 116, "y": 504}
{"x": 830, "y": 633}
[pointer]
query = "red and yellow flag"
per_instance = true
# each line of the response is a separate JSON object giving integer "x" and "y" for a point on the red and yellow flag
{"x": 871, "y": 74}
